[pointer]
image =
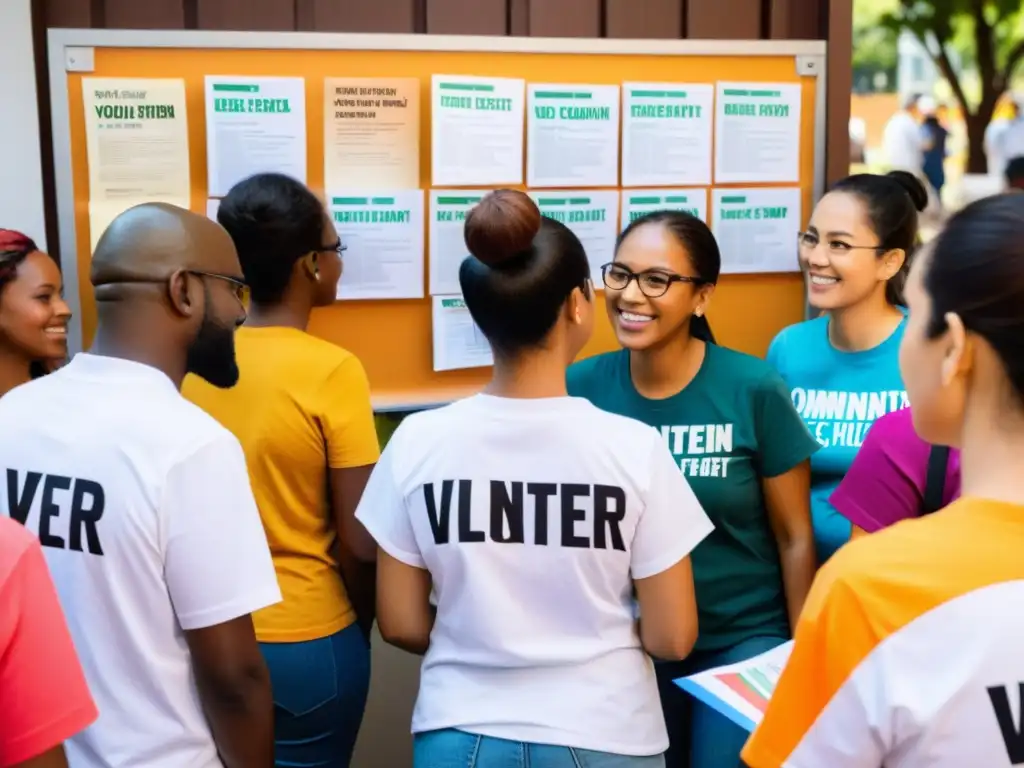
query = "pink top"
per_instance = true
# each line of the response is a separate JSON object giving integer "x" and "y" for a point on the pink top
{"x": 43, "y": 694}
{"x": 886, "y": 482}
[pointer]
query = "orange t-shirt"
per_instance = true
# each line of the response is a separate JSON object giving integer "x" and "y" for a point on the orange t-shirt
{"x": 44, "y": 699}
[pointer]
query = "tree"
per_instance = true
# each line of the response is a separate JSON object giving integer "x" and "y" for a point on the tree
{"x": 874, "y": 44}
{"x": 988, "y": 33}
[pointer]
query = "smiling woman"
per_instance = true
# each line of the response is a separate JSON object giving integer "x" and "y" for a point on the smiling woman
{"x": 33, "y": 314}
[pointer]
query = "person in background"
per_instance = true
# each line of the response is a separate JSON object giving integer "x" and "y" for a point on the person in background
{"x": 841, "y": 367}
{"x": 143, "y": 508}
{"x": 734, "y": 434}
{"x": 908, "y": 649}
{"x": 533, "y": 516}
{"x": 43, "y": 695}
{"x": 1015, "y": 174}
{"x": 993, "y": 138}
{"x": 896, "y": 476}
{"x": 901, "y": 138}
{"x": 1010, "y": 140}
{"x": 933, "y": 145}
{"x": 33, "y": 314}
{"x": 301, "y": 410}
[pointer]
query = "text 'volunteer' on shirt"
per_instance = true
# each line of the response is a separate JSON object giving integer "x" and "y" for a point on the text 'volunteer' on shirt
{"x": 143, "y": 507}
{"x": 533, "y": 516}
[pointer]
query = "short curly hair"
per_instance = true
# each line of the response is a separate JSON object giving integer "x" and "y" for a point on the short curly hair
{"x": 274, "y": 221}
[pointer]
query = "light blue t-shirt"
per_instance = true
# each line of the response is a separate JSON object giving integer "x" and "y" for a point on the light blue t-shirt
{"x": 839, "y": 395}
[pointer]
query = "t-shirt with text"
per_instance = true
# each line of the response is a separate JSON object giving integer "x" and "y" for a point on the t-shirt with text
{"x": 533, "y": 517}
{"x": 839, "y": 395}
{"x": 908, "y": 651}
{"x": 143, "y": 508}
{"x": 732, "y": 426}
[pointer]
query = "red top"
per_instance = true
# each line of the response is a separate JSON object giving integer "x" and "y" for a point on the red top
{"x": 43, "y": 694}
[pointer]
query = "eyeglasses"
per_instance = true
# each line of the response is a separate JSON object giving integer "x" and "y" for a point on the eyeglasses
{"x": 337, "y": 247}
{"x": 808, "y": 241}
{"x": 651, "y": 284}
{"x": 239, "y": 287}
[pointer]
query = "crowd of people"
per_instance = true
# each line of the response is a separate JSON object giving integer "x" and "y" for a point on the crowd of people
{"x": 204, "y": 529}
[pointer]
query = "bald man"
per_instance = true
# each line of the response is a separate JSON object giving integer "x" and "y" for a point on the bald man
{"x": 142, "y": 504}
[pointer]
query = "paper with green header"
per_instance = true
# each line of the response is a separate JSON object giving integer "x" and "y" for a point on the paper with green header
{"x": 572, "y": 135}
{"x": 458, "y": 342}
{"x": 254, "y": 125}
{"x": 757, "y": 229}
{"x": 637, "y": 202}
{"x": 447, "y": 212}
{"x": 666, "y": 134}
{"x": 757, "y": 132}
{"x": 476, "y": 130}
{"x": 383, "y": 235}
{"x": 593, "y": 215}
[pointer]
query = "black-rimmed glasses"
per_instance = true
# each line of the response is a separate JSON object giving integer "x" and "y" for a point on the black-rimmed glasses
{"x": 652, "y": 284}
{"x": 239, "y": 287}
{"x": 338, "y": 247}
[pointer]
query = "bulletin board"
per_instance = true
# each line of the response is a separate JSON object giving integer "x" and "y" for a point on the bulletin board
{"x": 393, "y": 338}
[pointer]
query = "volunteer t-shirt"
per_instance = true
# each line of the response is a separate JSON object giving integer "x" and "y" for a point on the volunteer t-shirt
{"x": 43, "y": 695}
{"x": 143, "y": 508}
{"x": 908, "y": 651}
{"x": 301, "y": 406}
{"x": 730, "y": 427}
{"x": 839, "y": 395}
{"x": 886, "y": 482}
{"x": 534, "y": 517}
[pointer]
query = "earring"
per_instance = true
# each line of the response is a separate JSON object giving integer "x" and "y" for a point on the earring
{"x": 698, "y": 312}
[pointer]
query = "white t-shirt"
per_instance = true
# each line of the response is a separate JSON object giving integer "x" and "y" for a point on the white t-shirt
{"x": 143, "y": 506}
{"x": 903, "y": 143}
{"x": 1010, "y": 141}
{"x": 993, "y": 150}
{"x": 534, "y": 517}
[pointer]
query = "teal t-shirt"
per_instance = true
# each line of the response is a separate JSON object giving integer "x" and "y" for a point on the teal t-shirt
{"x": 731, "y": 426}
{"x": 839, "y": 395}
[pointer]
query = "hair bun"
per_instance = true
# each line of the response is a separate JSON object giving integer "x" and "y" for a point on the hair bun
{"x": 501, "y": 227}
{"x": 912, "y": 186}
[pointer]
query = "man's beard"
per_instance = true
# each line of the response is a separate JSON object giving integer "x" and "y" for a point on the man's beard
{"x": 211, "y": 356}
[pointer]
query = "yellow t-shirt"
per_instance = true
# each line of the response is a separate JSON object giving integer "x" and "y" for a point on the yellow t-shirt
{"x": 301, "y": 405}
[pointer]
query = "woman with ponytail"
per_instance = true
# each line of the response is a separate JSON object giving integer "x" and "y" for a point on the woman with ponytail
{"x": 842, "y": 367}
{"x": 729, "y": 423}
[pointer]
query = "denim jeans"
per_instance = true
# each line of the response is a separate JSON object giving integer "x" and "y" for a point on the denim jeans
{"x": 451, "y": 748}
{"x": 700, "y": 737}
{"x": 320, "y": 689}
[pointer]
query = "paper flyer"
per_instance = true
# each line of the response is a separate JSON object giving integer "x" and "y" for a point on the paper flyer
{"x": 740, "y": 691}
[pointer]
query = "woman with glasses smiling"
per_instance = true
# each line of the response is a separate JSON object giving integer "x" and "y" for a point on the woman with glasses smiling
{"x": 841, "y": 367}
{"x": 729, "y": 423}
{"x": 301, "y": 410}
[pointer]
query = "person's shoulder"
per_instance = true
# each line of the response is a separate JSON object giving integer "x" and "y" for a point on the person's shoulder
{"x": 742, "y": 367}
{"x": 796, "y": 339}
{"x": 896, "y": 426}
{"x": 293, "y": 348}
{"x": 15, "y": 541}
{"x": 195, "y": 433}
{"x": 597, "y": 368}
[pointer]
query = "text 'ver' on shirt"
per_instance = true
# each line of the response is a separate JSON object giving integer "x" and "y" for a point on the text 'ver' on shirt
{"x": 908, "y": 651}
{"x": 143, "y": 507}
{"x": 533, "y": 517}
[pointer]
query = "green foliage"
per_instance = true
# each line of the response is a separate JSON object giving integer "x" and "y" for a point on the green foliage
{"x": 874, "y": 44}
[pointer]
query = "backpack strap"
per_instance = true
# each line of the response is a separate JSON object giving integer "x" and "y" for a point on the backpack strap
{"x": 935, "y": 481}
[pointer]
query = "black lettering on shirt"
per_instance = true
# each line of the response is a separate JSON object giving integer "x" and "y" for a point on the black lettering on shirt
{"x": 505, "y": 508}
{"x": 540, "y": 493}
{"x": 439, "y": 519}
{"x": 83, "y": 510}
{"x": 609, "y": 512}
{"x": 1013, "y": 733}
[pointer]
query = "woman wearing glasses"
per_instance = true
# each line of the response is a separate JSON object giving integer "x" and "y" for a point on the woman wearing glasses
{"x": 842, "y": 367}
{"x": 301, "y": 410}
{"x": 729, "y": 423}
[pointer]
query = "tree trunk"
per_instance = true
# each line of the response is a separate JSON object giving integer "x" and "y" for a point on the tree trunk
{"x": 977, "y": 160}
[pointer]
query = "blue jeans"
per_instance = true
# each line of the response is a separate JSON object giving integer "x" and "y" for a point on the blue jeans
{"x": 451, "y": 748}
{"x": 700, "y": 737}
{"x": 320, "y": 689}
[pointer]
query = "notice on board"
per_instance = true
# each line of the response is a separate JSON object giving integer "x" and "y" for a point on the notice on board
{"x": 136, "y": 135}
{"x": 458, "y": 342}
{"x": 757, "y": 229}
{"x": 371, "y": 133}
{"x": 383, "y": 237}
{"x": 592, "y": 215}
{"x": 572, "y": 135}
{"x": 476, "y": 130}
{"x": 448, "y": 210}
{"x": 639, "y": 202}
{"x": 254, "y": 125}
{"x": 666, "y": 134}
{"x": 757, "y": 133}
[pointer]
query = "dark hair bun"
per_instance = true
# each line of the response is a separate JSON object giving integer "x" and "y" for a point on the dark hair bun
{"x": 502, "y": 226}
{"x": 912, "y": 186}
